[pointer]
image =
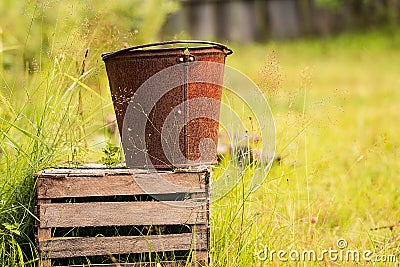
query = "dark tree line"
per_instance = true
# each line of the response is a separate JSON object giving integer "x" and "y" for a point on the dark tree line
{"x": 255, "y": 20}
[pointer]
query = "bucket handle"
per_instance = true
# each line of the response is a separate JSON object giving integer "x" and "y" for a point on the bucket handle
{"x": 227, "y": 50}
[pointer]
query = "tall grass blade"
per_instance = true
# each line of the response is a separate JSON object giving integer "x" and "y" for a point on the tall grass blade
{"x": 26, "y": 133}
{"x": 83, "y": 85}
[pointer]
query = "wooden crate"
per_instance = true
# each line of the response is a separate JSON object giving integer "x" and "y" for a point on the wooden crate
{"x": 103, "y": 217}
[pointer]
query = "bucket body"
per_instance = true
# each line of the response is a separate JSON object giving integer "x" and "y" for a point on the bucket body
{"x": 166, "y": 102}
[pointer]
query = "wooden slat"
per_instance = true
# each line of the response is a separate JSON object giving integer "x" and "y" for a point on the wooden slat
{"x": 148, "y": 183}
{"x": 109, "y": 172}
{"x": 179, "y": 263}
{"x": 92, "y": 246}
{"x": 87, "y": 186}
{"x": 82, "y": 172}
{"x": 42, "y": 233}
{"x": 171, "y": 182}
{"x": 200, "y": 257}
{"x": 121, "y": 213}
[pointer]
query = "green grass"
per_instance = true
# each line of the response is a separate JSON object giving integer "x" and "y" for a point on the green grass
{"x": 336, "y": 114}
{"x": 336, "y": 106}
{"x": 54, "y": 99}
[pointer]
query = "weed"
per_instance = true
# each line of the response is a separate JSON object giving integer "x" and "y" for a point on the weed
{"x": 112, "y": 155}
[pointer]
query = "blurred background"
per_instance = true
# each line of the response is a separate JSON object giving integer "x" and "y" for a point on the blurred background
{"x": 31, "y": 32}
{"x": 34, "y": 26}
{"x": 260, "y": 20}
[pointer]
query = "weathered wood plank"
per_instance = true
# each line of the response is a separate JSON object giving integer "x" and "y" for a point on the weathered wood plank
{"x": 179, "y": 263}
{"x": 182, "y": 179}
{"x": 62, "y": 172}
{"x": 42, "y": 233}
{"x": 92, "y": 246}
{"x": 203, "y": 231}
{"x": 119, "y": 185}
{"x": 61, "y": 185}
{"x": 200, "y": 257}
{"x": 122, "y": 213}
{"x": 87, "y": 186}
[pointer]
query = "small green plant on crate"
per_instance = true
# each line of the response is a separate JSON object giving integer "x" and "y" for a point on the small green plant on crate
{"x": 112, "y": 155}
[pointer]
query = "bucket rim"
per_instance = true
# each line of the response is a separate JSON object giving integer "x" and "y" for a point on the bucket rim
{"x": 163, "y": 52}
{"x": 227, "y": 51}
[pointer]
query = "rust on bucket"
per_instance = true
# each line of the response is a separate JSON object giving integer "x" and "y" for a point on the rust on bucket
{"x": 130, "y": 68}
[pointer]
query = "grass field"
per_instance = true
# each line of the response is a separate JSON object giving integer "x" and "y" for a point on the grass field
{"x": 336, "y": 106}
{"x": 336, "y": 113}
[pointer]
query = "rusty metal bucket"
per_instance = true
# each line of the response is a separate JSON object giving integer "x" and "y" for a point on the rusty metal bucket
{"x": 132, "y": 69}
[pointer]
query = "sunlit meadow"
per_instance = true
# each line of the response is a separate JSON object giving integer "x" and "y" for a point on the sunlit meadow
{"x": 335, "y": 102}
